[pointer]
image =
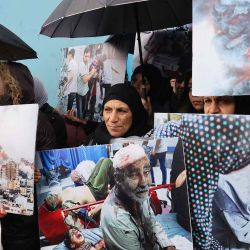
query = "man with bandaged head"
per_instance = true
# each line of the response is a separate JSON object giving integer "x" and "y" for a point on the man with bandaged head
{"x": 127, "y": 219}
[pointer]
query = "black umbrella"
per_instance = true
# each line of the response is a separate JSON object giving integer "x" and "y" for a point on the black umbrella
{"x": 82, "y": 18}
{"x": 118, "y": 41}
{"x": 13, "y": 48}
{"x": 86, "y": 18}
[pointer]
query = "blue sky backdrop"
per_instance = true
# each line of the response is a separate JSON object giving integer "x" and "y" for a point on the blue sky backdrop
{"x": 25, "y": 18}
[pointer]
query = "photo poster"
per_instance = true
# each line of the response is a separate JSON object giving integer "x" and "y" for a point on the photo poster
{"x": 87, "y": 72}
{"x": 217, "y": 159}
{"x": 170, "y": 50}
{"x": 66, "y": 174}
{"x": 221, "y": 37}
{"x": 18, "y": 125}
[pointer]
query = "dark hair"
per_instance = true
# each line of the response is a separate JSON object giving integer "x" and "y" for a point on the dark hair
{"x": 242, "y": 105}
{"x": 72, "y": 52}
{"x": 187, "y": 76}
{"x": 23, "y": 76}
{"x": 153, "y": 75}
{"x": 86, "y": 50}
{"x": 67, "y": 239}
{"x": 185, "y": 105}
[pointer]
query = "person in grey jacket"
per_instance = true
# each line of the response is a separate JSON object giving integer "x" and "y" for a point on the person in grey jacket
{"x": 127, "y": 219}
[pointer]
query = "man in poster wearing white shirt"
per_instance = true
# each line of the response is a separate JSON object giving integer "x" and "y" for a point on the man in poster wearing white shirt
{"x": 84, "y": 75}
{"x": 69, "y": 88}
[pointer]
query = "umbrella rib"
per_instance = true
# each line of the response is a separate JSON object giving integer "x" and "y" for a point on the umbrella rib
{"x": 78, "y": 21}
{"x": 127, "y": 2}
{"x": 57, "y": 26}
{"x": 70, "y": 15}
{"x": 98, "y": 25}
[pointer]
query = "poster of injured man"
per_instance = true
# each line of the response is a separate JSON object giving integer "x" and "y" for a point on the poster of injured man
{"x": 117, "y": 196}
{"x": 221, "y": 37}
{"x": 217, "y": 159}
{"x": 17, "y": 149}
{"x": 87, "y": 73}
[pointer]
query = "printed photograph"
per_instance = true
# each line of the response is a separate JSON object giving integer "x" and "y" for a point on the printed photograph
{"x": 170, "y": 50}
{"x": 217, "y": 157}
{"x": 17, "y": 150}
{"x": 221, "y": 37}
{"x": 87, "y": 73}
{"x": 230, "y": 214}
{"x": 117, "y": 196}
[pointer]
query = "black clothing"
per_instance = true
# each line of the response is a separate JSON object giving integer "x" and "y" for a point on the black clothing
{"x": 58, "y": 124}
{"x": 180, "y": 195}
{"x": 128, "y": 95}
{"x": 45, "y": 135}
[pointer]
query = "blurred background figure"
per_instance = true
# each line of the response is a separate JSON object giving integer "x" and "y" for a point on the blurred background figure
{"x": 177, "y": 94}
{"x": 57, "y": 121}
{"x": 17, "y": 87}
{"x": 188, "y": 102}
{"x": 155, "y": 89}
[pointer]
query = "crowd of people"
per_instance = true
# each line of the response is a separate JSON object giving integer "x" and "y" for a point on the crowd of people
{"x": 80, "y": 83}
{"x": 127, "y": 111}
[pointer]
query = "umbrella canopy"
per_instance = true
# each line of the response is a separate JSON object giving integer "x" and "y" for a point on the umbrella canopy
{"x": 118, "y": 41}
{"x": 83, "y": 18}
{"x": 12, "y": 48}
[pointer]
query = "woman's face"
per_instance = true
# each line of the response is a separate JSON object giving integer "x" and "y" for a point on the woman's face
{"x": 219, "y": 105}
{"x": 117, "y": 117}
{"x": 137, "y": 83}
{"x": 196, "y": 101}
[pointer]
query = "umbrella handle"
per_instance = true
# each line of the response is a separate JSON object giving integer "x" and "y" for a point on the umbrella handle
{"x": 144, "y": 93}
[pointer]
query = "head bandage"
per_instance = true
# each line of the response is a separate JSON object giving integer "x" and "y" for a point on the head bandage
{"x": 128, "y": 155}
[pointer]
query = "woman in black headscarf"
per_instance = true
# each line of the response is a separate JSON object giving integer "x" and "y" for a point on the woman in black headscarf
{"x": 123, "y": 115}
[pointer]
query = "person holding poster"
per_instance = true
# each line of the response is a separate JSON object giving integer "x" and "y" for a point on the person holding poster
{"x": 16, "y": 87}
{"x": 127, "y": 219}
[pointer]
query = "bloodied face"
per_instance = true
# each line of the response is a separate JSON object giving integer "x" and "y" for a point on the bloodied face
{"x": 76, "y": 237}
{"x": 136, "y": 180}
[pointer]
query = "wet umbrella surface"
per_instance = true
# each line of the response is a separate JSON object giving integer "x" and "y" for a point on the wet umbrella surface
{"x": 13, "y": 48}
